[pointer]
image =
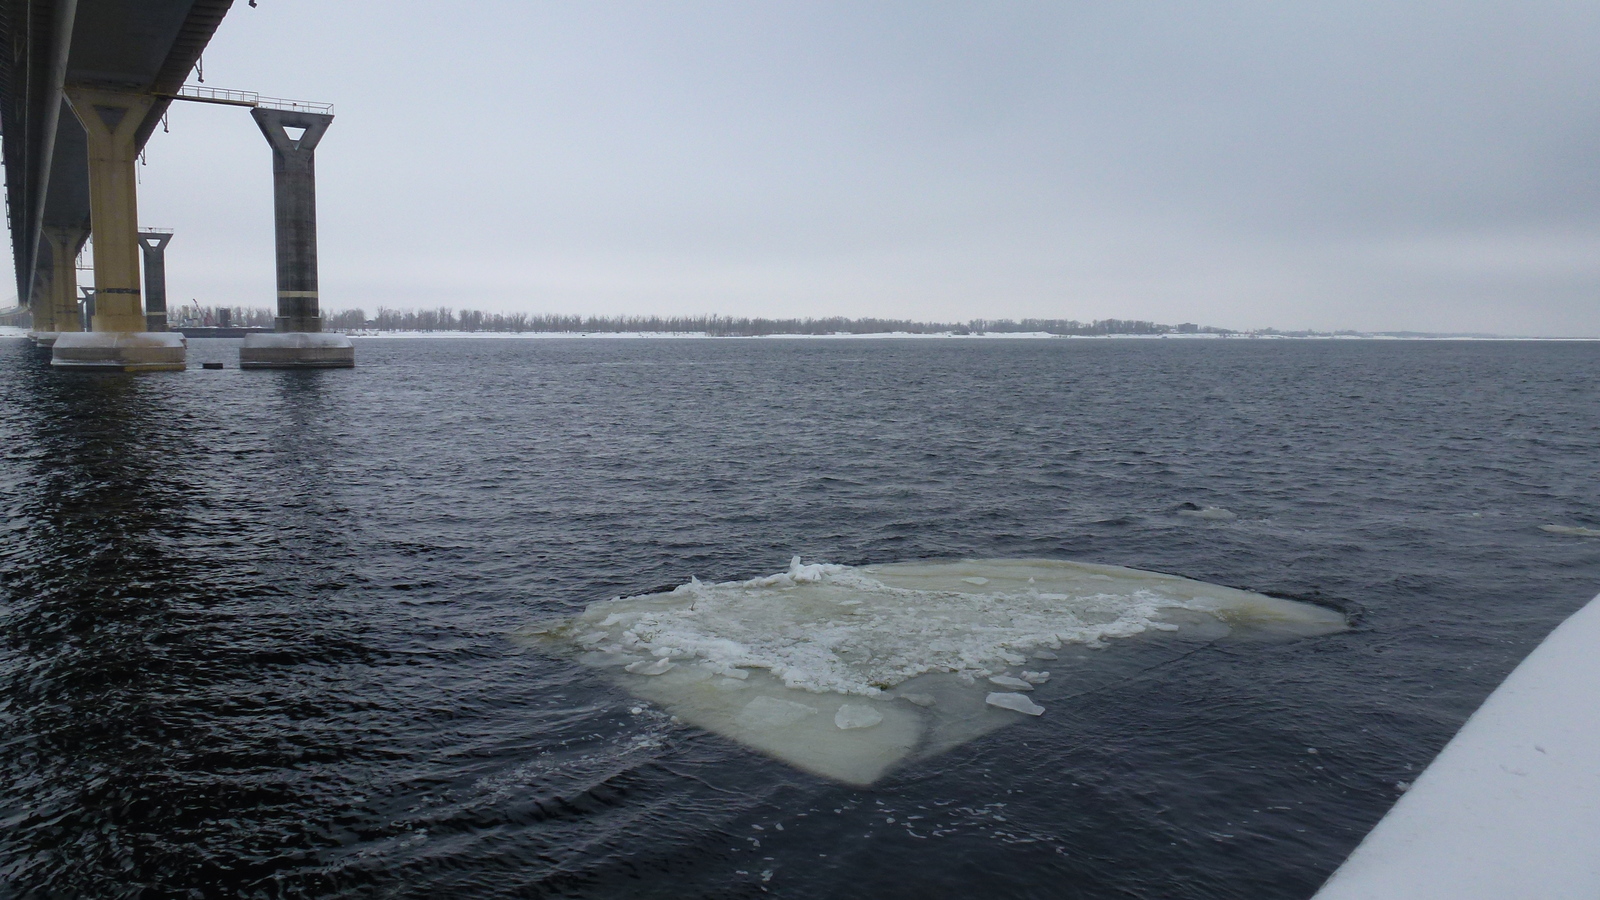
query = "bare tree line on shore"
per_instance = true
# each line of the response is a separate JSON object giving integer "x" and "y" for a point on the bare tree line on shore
{"x": 212, "y": 316}
{"x": 472, "y": 320}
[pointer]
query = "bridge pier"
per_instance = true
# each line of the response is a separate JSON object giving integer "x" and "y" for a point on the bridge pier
{"x": 120, "y": 339}
{"x": 39, "y": 308}
{"x": 60, "y": 306}
{"x": 153, "y": 245}
{"x": 298, "y": 342}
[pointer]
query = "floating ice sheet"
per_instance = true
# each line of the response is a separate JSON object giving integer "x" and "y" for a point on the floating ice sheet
{"x": 845, "y": 672}
{"x": 1577, "y": 530}
{"x": 1209, "y": 513}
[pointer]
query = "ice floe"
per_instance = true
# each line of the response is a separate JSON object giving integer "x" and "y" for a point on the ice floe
{"x": 1577, "y": 530}
{"x": 1209, "y": 513}
{"x": 847, "y": 671}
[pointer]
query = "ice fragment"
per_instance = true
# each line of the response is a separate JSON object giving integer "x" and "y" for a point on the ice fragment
{"x": 1575, "y": 530}
{"x": 856, "y": 715}
{"x": 1210, "y": 513}
{"x": 649, "y": 667}
{"x": 770, "y": 712}
{"x": 1015, "y": 702}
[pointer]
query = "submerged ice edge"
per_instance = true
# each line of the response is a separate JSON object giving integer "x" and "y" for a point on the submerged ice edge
{"x": 848, "y": 673}
{"x": 827, "y": 628}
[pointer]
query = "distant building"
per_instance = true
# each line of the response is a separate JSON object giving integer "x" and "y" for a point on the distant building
{"x": 1188, "y": 328}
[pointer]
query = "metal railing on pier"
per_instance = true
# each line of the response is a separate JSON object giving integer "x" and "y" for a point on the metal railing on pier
{"x": 202, "y": 94}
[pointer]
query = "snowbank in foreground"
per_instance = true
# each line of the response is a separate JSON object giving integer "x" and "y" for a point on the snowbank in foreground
{"x": 1510, "y": 810}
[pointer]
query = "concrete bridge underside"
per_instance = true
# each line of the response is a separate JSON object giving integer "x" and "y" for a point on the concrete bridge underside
{"x": 83, "y": 85}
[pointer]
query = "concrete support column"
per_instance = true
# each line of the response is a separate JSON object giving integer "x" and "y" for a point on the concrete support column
{"x": 44, "y": 320}
{"x": 153, "y": 244}
{"x": 294, "y": 201}
{"x": 111, "y": 121}
{"x": 298, "y": 342}
{"x": 61, "y": 299}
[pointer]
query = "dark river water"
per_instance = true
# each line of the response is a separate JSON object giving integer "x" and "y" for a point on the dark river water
{"x": 256, "y": 628}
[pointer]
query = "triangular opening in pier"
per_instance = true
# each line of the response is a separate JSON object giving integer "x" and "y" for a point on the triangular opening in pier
{"x": 112, "y": 116}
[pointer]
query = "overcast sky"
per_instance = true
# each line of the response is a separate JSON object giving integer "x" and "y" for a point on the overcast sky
{"x": 1369, "y": 165}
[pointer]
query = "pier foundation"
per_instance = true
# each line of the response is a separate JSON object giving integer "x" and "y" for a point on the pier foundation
{"x": 299, "y": 341}
{"x": 120, "y": 339}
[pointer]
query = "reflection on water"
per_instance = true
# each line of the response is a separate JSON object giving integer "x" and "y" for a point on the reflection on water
{"x": 148, "y": 730}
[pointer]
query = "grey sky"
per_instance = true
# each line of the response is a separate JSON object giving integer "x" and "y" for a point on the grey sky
{"x": 1393, "y": 165}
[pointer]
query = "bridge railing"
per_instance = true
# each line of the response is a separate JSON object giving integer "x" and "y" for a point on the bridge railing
{"x": 321, "y": 109}
{"x": 216, "y": 95}
{"x": 202, "y": 94}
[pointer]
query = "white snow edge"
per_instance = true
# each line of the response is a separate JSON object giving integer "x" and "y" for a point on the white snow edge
{"x": 1510, "y": 809}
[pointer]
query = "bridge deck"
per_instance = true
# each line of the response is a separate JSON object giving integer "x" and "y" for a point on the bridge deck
{"x": 144, "y": 47}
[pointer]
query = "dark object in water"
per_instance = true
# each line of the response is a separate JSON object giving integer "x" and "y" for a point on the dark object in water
{"x": 211, "y": 365}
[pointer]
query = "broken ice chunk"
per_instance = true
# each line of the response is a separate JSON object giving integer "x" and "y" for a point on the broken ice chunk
{"x": 1015, "y": 702}
{"x": 649, "y": 667}
{"x": 976, "y": 580}
{"x": 1209, "y": 513}
{"x": 1035, "y": 677}
{"x": 770, "y": 712}
{"x": 1016, "y": 684}
{"x": 856, "y": 715}
{"x": 1044, "y": 654}
{"x": 1576, "y": 530}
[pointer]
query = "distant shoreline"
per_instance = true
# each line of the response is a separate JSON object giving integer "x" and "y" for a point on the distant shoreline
{"x": 906, "y": 335}
{"x": 15, "y": 332}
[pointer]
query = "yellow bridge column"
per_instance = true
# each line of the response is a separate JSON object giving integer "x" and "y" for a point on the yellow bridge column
{"x": 39, "y": 305}
{"x": 111, "y": 121}
{"x": 65, "y": 242}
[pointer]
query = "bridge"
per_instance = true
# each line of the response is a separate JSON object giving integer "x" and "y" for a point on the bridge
{"x": 83, "y": 85}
